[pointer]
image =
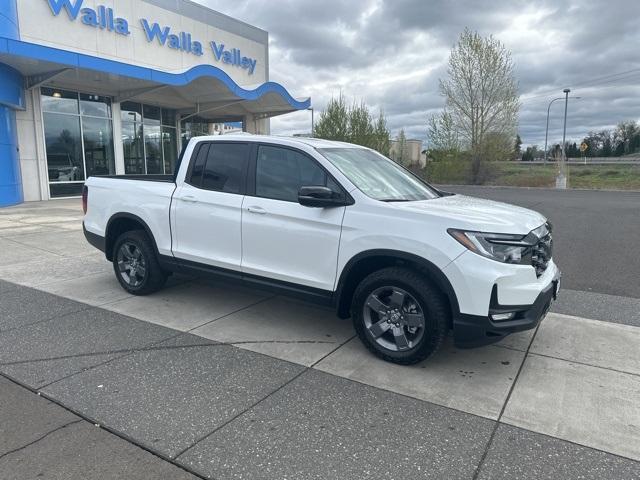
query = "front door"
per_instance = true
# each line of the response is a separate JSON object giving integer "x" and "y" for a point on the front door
{"x": 281, "y": 239}
{"x": 207, "y": 208}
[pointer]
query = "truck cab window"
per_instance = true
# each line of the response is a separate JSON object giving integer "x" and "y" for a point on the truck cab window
{"x": 280, "y": 172}
{"x": 225, "y": 168}
{"x": 195, "y": 177}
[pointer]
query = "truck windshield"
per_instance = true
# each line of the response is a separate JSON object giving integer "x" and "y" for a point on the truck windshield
{"x": 377, "y": 176}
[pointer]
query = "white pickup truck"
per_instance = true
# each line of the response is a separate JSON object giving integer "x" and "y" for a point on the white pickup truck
{"x": 338, "y": 224}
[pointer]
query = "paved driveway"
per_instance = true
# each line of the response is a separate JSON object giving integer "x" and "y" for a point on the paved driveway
{"x": 207, "y": 380}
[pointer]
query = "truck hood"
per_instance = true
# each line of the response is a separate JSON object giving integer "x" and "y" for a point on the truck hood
{"x": 477, "y": 214}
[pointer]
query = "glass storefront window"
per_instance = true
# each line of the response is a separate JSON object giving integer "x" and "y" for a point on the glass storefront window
{"x": 153, "y": 152}
{"x": 193, "y": 127}
{"x": 131, "y": 112}
{"x": 133, "y": 147}
{"x": 169, "y": 117}
{"x": 197, "y": 126}
{"x": 59, "y": 101}
{"x": 78, "y": 139}
{"x": 150, "y": 115}
{"x": 95, "y": 105}
{"x": 158, "y": 152}
{"x": 97, "y": 134}
{"x": 169, "y": 148}
{"x": 64, "y": 147}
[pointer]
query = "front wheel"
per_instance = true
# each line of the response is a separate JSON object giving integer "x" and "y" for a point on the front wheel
{"x": 399, "y": 315}
{"x": 136, "y": 264}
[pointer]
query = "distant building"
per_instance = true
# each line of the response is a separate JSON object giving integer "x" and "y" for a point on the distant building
{"x": 413, "y": 155}
{"x": 225, "y": 128}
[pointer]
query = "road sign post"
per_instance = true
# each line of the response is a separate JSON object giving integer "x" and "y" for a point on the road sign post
{"x": 583, "y": 149}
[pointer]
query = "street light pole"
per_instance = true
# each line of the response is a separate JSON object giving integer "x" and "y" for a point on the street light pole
{"x": 546, "y": 135}
{"x": 564, "y": 130}
{"x": 561, "y": 179}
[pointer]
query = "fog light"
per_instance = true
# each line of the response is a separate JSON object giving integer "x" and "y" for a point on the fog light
{"x": 501, "y": 317}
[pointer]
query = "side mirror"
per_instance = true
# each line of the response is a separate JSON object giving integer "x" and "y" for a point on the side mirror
{"x": 320, "y": 197}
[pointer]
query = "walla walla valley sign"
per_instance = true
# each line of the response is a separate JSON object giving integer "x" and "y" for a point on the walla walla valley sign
{"x": 104, "y": 18}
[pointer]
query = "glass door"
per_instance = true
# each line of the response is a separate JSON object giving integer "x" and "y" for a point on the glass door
{"x": 150, "y": 139}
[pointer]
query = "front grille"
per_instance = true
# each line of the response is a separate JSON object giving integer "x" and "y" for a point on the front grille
{"x": 542, "y": 251}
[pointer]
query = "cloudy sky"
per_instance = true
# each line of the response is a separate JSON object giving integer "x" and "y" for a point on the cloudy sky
{"x": 391, "y": 53}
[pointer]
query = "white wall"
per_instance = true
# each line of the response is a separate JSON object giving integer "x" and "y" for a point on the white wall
{"x": 39, "y": 25}
{"x": 32, "y": 155}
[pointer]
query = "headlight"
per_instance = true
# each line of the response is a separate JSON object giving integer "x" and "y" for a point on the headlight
{"x": 501, "y": 247}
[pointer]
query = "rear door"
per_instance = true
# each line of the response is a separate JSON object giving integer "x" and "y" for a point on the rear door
{"x": 207, "y": 206}
{"x": 281, "y": 239}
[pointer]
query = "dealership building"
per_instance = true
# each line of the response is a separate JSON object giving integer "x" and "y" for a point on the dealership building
{"x": 103, "y": 87}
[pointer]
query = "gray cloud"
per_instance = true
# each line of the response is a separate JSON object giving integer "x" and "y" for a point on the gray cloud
{"x": 390, "y": 54}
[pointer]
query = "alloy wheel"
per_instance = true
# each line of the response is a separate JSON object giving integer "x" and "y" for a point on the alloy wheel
{"x": 394, "y": 318}
{"x": 131, "y": 264}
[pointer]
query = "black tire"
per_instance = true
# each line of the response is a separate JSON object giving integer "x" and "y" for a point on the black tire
{"x": 425, "y": 300}
{"x": 153, "y": 278}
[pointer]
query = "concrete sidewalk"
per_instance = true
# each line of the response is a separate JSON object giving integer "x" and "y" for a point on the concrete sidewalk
{"x": 234, "y": 383}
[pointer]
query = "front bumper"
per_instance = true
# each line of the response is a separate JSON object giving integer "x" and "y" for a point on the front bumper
{"x": 474, "y": 330}
{"x": 483, "y": 286}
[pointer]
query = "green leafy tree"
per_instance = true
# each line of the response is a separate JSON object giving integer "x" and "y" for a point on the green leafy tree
{"x": 517, "y": 148}
{"x": 333, "y": 123}
{"x": 361, "y": 127}
{"x": 353, "y": 124}
{"x": 382, "y": 137}
{"x": 531, "y": 153}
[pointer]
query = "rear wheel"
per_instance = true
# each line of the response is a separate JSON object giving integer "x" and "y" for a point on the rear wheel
{"x": 399, "y": 315}
{"x": 136, "y": 265}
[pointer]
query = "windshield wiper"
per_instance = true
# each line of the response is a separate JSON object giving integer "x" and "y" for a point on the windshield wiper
{"x": 395, "y": 199}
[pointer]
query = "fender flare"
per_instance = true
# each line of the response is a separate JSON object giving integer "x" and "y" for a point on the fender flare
{"x": 135, "y": 218}
{"x": 432, "y": 271}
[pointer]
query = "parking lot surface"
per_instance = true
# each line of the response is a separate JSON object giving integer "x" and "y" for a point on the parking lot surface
{"x": 206, "y": 380}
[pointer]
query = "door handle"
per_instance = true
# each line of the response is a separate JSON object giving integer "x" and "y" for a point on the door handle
{"x": 190, "y": 199}
{"x": 258, "y": 210}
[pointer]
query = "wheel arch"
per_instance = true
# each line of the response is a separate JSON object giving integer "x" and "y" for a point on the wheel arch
{"x": 125, "y": 222}
{"x": 370, "y": 261}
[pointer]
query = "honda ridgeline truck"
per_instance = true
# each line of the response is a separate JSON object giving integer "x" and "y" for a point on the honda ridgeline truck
{"x": 338, "y": 224}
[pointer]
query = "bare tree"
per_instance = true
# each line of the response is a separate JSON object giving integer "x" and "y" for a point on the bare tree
{"x": 481, "y": 93}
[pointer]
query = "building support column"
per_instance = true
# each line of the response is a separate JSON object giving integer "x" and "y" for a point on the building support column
{"x": 11, "y": 99}
{"x": 118, "y": 147}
